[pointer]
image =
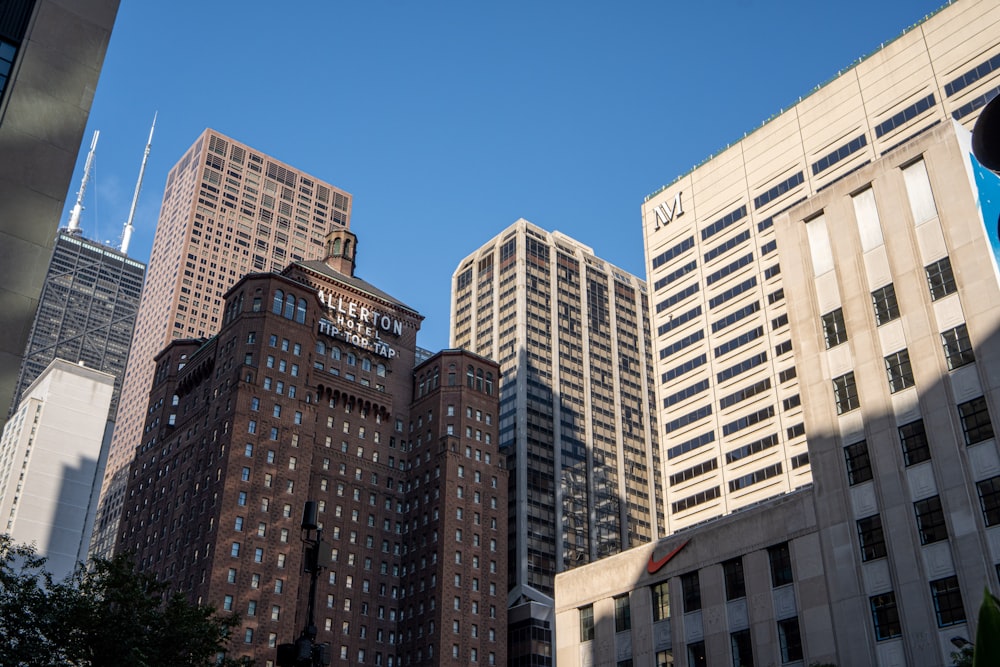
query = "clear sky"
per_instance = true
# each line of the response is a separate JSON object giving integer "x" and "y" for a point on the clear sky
{"x": 448, "y": 121}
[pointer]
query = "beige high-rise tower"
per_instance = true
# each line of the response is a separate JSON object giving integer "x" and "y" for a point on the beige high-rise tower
{"x": 227, "y": 210}
{"x": 730, "y": 403}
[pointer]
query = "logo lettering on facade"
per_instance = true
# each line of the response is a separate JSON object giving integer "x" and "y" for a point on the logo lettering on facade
{"x": 358, "y": 325}
{"x": 666, "y": 214}
{"x": 655, "y": 566}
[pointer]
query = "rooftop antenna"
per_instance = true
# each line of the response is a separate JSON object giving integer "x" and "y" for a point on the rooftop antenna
{"x": 74, "y": 215}
{"x": 127, "y": 234}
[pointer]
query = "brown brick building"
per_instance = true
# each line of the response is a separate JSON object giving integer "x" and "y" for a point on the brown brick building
{"x": 228, "y": 209}
{"x": 456, "y": 568}
{"x": 305, "y": 394}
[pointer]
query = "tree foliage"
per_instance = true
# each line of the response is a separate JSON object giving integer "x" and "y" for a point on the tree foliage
{"x": 103, "y": 615}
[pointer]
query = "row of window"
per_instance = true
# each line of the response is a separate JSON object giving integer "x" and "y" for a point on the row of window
{"x": 779, "y": 559}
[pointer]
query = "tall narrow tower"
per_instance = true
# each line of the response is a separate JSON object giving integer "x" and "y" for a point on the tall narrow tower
{"x": 571, "y": 335}
{"x": 227, "y": 210}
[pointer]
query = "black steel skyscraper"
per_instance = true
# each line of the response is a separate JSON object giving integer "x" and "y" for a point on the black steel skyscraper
{"x": 86, "y": 312}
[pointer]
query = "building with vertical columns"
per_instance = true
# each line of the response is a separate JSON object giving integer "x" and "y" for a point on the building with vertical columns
{"x": 571, "y": 335}
{"x": 729, "y": 397}
{"x": 893, "y": 297}
{"x": 227, "y": 210}
{"x": 51, "y": 54}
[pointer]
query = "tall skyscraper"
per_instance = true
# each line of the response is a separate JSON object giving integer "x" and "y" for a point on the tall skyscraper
{"x": 51, "y": 53}
{"x": 571, "y": 335}
{"x": 227, "y": 210}
{"x": 86, "y": 312}
{"x": 51, "y": 455}
{"x": 730, "y": 402}
{"x": 308, "y": 392}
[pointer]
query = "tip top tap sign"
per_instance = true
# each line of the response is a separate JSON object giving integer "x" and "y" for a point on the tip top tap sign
{"x": 358, "y": 324}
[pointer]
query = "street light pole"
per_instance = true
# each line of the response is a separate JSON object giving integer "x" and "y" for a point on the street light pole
{"x": 305, "y": 652}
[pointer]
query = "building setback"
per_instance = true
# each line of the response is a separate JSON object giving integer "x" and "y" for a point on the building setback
{"x": 893, "y": 294}
{"x": 51, "y": 53}
{"x": 227, "y": 210}
{"x": 305, "y": 394}
{"x": 730, "y": 400}
{"x": 86, "y": 311}
{"x": 571, "y": 335}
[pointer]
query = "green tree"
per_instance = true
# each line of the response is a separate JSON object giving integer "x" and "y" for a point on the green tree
{"x": 104, "y": 615}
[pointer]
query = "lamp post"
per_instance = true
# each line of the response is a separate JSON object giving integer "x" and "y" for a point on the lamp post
{"x": 305, "y": 652}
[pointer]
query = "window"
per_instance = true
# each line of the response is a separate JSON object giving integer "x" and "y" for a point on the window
{"x": 885, "y": 616}
{"x": 696, "y": 654}
{"x": 957, "y": 348}
{"x": 947, "y": 601}
{"x": 781, "y": 564}
{"x": 898, "y": 370}
{"x": 914, "y": 440}
{"x": 789, "y": 640}
{"x": 871, "y": 538}
{"x": 691, "y": 592}
{"x": 661, "y": 601}
{"x": 884, "y": 302}
{"x": 587, "y": 623}
{"x": 623, "y": 614}
{"x": 732, "y": 572}
{"x": 930, "y": 520}
{"x": 989, "y": 499}
{"x": 859, "y": 467}
{"x": 940, "y": 279}
{"x": 665, "y": 658}
{"x": 742, "y": 648}
{"x": 975, "y": 418}
{"x": 845, "y": 393}
{"x": 834, "y": 332}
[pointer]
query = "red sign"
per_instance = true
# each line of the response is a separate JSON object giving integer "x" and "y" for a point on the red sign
{"x": 654, "y": 566}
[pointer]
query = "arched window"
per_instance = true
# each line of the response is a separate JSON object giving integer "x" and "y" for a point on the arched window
{"x": 366, "y": 364}
{"x": 347, "y": 248}
{"x": 479, "y": 379}
{"x": 489, "y": 383}
{"x": 335, "y": 353}
{"x": 300, "y": 312}
{"x": 289, "y": 306}
{"x": 380, "y": 370}
{"x": 420, "y": 387}
{"x": 336, "y": 247}
{"x": 437, "y": 377}
{"x": 470, "y": 377}
{"x": 320, "y": 347}
{"x": 351, "y": 359}
{"x": 279, "y": 298}
{"x": 451, "y": 375}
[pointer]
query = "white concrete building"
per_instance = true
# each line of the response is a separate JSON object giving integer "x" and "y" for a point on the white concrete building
{"x": 52, "y": 457}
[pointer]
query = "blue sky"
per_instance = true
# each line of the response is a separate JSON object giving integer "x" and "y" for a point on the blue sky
{"x": 447, "y": 121}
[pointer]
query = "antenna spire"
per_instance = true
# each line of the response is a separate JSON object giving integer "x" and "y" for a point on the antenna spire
{"x": 74, "y": 215}
{"x": 127, "y": 234}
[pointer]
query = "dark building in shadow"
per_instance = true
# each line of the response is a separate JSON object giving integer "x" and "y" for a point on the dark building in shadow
{"x": 51, "y": 53}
